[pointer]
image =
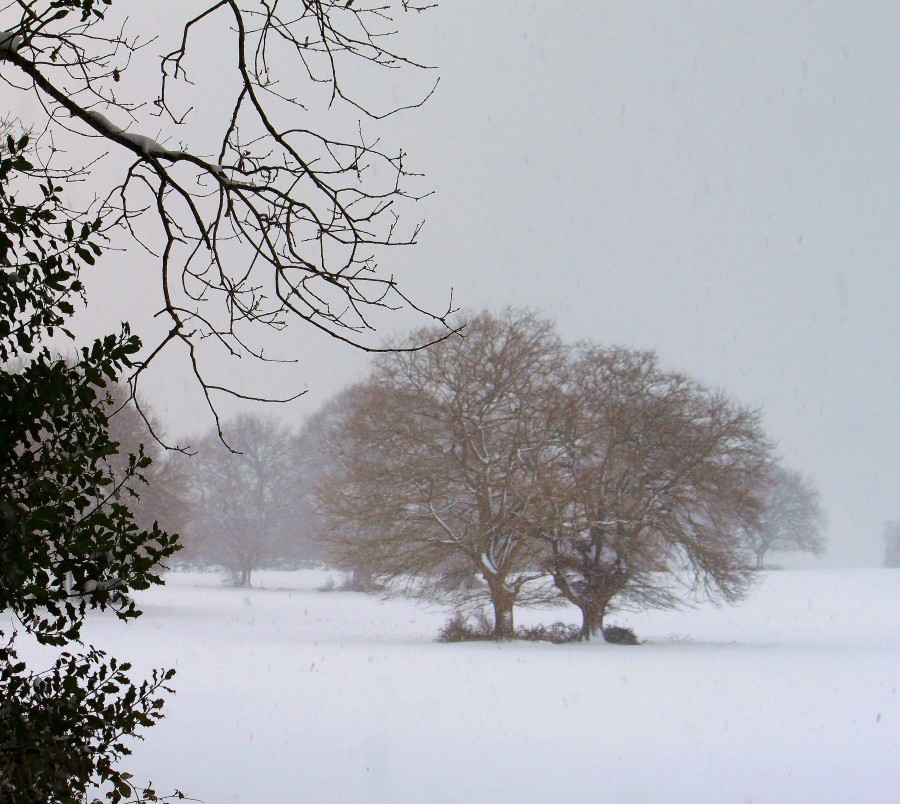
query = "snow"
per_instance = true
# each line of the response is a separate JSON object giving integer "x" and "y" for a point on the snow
{"x": 104, "y": 121}
{"x": 147, "y": 145}
{"x": 10, "y": 41}
{"x": 285, "y": 693}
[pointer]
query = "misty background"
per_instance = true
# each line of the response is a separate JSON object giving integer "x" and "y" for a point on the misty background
{"x": 718, "y": 182}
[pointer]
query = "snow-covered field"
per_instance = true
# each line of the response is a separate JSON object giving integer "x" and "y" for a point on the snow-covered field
{"x": 286, "y": 694}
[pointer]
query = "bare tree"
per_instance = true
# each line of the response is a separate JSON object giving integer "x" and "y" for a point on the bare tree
{"x": 653, "y": 482}
{"x": 162, "y": 494}
{"x": 315, "y": 459}
{"x": 241, "y": 502}
{"x": 256, "y": 216}
{"x": 503, "y": 457}
{"x": 437, "y": 471}
{"x": 793, "y": 518}
{"x": 892, "y": 544}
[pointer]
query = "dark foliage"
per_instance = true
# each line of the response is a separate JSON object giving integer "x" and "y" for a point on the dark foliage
{"x": 460, "y": 629}
{"x": 557, "y": 633}
{"x": 619, "y": 635}
{"x": 68, "y": 540}
{"x": 63, "y": 729}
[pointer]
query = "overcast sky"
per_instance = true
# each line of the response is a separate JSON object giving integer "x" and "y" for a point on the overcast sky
{"x": 719, "y": 182}
{"x": 716, "y": 181}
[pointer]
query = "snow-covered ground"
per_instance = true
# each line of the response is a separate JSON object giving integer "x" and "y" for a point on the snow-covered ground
{"x": 287, "y": 694}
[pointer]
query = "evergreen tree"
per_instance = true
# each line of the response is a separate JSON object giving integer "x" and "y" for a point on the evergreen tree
{"x": 68, "y": 542}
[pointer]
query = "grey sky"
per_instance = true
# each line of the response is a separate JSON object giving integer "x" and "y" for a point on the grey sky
{"x": 717, "y": 181}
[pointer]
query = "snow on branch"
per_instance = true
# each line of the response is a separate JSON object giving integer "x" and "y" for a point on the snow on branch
{"x": 268, "y": 223}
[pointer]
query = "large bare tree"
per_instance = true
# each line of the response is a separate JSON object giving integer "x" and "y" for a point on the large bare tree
{"x": 250, "y": 167}
{"x": 437, "y": 470}
{"x": 654, "y": 481}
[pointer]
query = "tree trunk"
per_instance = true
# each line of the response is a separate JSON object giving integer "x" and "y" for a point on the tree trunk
{"x": 591, "y": 622}
{"x": 245, "y": 577}
{"x": 503, "y": 618}
{"x": 502, "y": 599}
{"x": 587, "y": 624}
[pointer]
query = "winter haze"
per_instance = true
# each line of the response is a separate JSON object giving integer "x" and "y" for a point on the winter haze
{"x": 718, "y": 182}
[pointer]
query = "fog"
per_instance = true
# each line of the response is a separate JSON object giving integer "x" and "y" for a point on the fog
{"x": 718, "y": 182}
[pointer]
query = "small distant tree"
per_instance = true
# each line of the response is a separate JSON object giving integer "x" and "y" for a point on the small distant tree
{"x": 437, "y": 460}
{"x": 892, "y": 544}
{"x": 792, "y": 518}
{"x": 653, "y": 482}
{"x": 242, "y": 498}
{"x": 161, "y": 498}
{"x": 315, "y": 458}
